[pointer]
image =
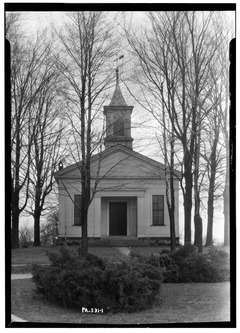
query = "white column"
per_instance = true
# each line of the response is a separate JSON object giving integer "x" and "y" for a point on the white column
{"x": 97, "y": 217}
{"x": 141, "y": 210}
{"x": 176, "y": 190}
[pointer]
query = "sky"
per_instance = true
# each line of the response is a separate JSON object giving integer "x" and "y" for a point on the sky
{"x": 35, "y": 21}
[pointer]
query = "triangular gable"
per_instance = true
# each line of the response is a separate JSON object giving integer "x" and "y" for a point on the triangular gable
{"x": 118, "y": 162}
{"x": 123, "y": 163}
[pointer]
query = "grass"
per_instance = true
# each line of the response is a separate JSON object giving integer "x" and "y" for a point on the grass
{"x": 38, "y": 255}
{"x": 195, "y": 302}
{"x": 23, "y": 258}
{"x": 33, "y": 255}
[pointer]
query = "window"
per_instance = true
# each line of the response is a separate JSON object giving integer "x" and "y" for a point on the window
{"x": 158, "y": 210}
{"x": 77, "y": 209}
{"x": 118, "y": 127}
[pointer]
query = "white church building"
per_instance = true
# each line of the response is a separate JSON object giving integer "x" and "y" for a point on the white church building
{"x": 129, "y": 206}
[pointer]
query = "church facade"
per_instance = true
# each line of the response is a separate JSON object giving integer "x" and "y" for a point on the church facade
{"x": 129, "y": 205}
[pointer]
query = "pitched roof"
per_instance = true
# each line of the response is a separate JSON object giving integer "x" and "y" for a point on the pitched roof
{"x": 117, "y": 98}
{"x": 107, "y": 152}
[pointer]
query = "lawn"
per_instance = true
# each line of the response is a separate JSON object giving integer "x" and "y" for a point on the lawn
{"x": 38, "y": 255}
{"x": 193, "y": 302}
{"x": 23, "y": 258}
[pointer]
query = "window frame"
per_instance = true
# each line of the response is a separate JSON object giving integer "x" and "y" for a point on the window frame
{"x": 160, "y": 211}
{"x": 77, "y": 210}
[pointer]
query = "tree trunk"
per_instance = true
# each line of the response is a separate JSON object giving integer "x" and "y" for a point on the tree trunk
{"x": 187, "y": 209}
{"x": 197, "y": 201}
{"x": 172, "y": 210}
{"x": 172, "y": 230}
{"x": 187, "y": 218}
{"x": 84, "y": 240}
{"x": 198, "y": 225}
{"x": 198, "y": 232}
{"x": 210, "y": 209}
{"x": 15, "y": 227}
{"x": 37, "y": 241}
{"x": 197, "y": 216}
{"x": 83, "y": 250}
{"x": 187, "y": 195}
{"x": 209, "y": 238}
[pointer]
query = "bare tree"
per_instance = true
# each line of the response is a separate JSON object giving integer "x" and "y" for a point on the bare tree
{"x": 213, "y": 159}
{"x": 156, "y": 77}
{"x": 170, "y": 173}
{"x": 88, "y": 46}
{"x": 28, "y": 78}
{"x": 199, "y": 69}
{"x": 217, "y": 134}
{"x": 178, "y": 51}
{"x": 163, "y": 59}
{"x": 212, "y": 152}
{"x": 46, "y": 149}
{"x": 225, "y": 129}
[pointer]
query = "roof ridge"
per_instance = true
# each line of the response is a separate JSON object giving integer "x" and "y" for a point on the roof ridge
{"x": 107, "y": 152}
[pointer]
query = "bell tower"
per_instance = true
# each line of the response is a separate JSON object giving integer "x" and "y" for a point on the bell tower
{"x": 118, "y": 119}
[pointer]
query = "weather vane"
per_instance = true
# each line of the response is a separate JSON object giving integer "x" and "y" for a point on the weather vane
{"x": 117, "y": 66}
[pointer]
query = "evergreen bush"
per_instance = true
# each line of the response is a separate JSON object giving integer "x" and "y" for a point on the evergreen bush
{"x": 162, "y": 260}
{"x": 132, "y": 285}
{"x": 185, "y": 264}
{"x": 197, "y": 267}
{"x": 75, "y": 281}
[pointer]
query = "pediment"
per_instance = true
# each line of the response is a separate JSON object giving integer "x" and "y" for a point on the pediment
{"x": 119, "y": 162}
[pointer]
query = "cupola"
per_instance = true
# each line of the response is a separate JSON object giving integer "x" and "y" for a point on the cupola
{"x": 118, "y": 119}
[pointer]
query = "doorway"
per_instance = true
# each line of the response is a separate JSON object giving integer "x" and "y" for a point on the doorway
{"x": 118, "y": 218}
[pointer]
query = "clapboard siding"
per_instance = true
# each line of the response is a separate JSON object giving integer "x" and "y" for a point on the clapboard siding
{"x": 119, "y": 164}
{"x": 123, "y": 175}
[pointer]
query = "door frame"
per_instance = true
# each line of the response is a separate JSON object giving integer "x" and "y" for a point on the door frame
{"x": 117, "y": 200}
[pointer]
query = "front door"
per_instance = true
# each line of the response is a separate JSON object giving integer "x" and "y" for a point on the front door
{"x": 118, "y": 219}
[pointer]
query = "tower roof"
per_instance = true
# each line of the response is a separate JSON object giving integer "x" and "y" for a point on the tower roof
{"x": 117, "y": 98}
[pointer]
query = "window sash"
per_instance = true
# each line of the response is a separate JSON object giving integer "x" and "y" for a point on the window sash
{"x": 158, "y": 210}
{"x": 77, "y": 209}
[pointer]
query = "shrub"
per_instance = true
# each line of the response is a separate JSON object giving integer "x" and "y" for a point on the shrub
{"x": 132, "y": 285}
{"x": 197, "y": 268}
{"x": 76, "y": 281}
{"x": 26, "y": 237}
{"x": 70, "y": 287}
{"x": 183, "y": 252}
{"x": 49, "y": 230}
{"x": 218, "y": 255}
{"x": 162, "y": 260}
{"x": 185, "y": 264}
{"x": 67, "y": 257}
{"x": 221, "y": 260}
